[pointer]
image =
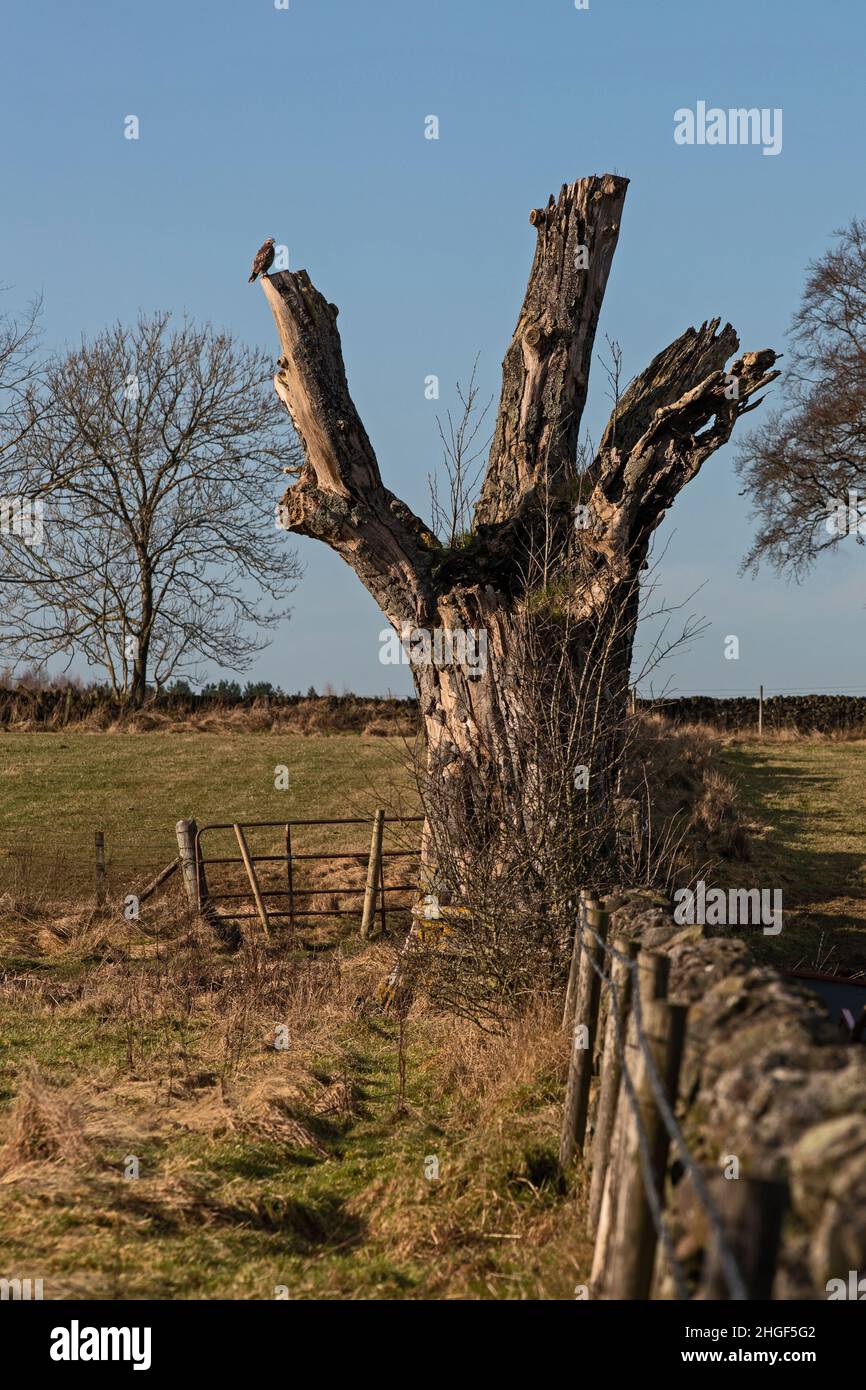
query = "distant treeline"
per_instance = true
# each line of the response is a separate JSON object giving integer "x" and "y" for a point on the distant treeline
{"x": 803, "y": 713}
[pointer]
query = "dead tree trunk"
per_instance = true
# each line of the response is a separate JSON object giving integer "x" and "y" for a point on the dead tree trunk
{"x": 527, "y": 577}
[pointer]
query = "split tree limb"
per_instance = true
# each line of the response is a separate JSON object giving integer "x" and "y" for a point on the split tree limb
{"x": 340, "y": 497}
{"x": 673, "y": 416}
{"x": 545, "y": 374}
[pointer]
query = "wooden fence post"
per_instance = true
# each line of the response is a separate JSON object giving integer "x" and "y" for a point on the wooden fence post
{"x": 586, "y": 898}
{"x": 653, "y": 972}
{"x": 382, "y": 893}
{"x": 100, "y": 869}
{"x": 624, "y": 1268}
{"x": 611, "y": 1073}
{"x": 612, "y": 1176}
{"x": 194, "y": 880}
{"x": 576, "y": 1105}
{"x": 374, "y": 869}
{"x": 760, "y": 711}
{"x": 752, "y": 1211}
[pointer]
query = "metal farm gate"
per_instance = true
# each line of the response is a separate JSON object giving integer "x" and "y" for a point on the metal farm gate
{"x": 374, "y": 891}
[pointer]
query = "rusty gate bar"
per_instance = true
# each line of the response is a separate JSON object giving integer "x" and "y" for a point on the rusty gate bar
{"x": 279, "y": 858}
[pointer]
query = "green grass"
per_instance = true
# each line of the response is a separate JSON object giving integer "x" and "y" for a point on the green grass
{"x": 808, "y": 802}
{"x": 58, "y": 789}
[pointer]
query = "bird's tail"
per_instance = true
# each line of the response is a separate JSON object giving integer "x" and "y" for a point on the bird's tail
{"x": 252, "y": 277}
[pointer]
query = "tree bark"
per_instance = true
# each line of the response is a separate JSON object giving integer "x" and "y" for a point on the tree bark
{"x": 524, "y": 556}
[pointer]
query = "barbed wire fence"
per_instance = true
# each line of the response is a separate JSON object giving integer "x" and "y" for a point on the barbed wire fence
{"x": 638, "y": 1054}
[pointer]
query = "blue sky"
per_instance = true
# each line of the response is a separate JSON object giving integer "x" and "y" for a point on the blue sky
{"x": 307, "y": 124}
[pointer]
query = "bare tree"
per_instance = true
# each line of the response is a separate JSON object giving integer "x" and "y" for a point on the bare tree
{"x": 806, "y": 458}
{"x": 19, "y": 375}
{"x": 524, "y": 551}
{"x": 153, "y": 451}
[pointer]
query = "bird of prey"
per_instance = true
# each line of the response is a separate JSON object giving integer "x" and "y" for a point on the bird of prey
{"x": 263, "y": 259}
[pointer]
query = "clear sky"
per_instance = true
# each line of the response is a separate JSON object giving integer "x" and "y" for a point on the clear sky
{"x": 307, "y": 124}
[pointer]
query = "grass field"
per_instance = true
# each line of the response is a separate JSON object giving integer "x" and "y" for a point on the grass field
{"x": 58, "y": 789}
{"x": 366, "y": 1157}
{"x": 807, "y": 800}
{"x": 372, "y": 1157}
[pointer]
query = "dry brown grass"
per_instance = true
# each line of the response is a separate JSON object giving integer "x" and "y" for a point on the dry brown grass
{"x": 46, "y": 1124}
{"x": 784, "y": 734}
{"x": 694, "y": 808}
{"x": 718, "y": 816}
{"x": 500, "y": 1201}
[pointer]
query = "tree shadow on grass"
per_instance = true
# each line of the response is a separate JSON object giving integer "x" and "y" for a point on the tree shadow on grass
{"x": 306, "y": 1225}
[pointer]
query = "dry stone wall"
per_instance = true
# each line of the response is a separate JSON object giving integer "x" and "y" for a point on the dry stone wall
{"x": 764, "y": 1080}
{"x": 804, "y": 713}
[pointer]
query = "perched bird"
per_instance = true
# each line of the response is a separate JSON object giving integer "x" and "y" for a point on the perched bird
{"x": 264, "y": 259}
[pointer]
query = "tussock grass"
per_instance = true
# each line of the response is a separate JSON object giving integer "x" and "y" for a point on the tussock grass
{"x": 679, "y": 768}
{"x": 317, "y": 716}
{"x": 45, "y": 1125}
